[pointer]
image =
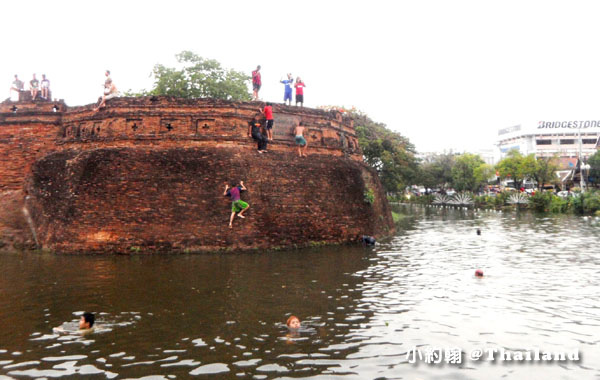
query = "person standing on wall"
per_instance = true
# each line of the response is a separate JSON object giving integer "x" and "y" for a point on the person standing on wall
{"x": 256, "y": 83}
{"x": 300, "y": 140}
{"x": 299, "y": 92}
{"x": 268, "y": 112}
{"x": 287, "y": 95}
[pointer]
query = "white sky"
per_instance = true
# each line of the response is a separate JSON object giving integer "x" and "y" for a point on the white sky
{"x": 446, "y": 74}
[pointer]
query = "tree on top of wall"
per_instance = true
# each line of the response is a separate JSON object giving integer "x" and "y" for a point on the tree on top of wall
{"x": 389, "y": 153}
{"x": 198, "y": 78}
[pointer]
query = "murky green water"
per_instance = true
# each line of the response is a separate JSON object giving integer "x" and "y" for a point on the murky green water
{"x": 367, "y": 312}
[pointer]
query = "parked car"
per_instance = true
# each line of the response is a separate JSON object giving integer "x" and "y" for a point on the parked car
{"x": 564, "y": 194}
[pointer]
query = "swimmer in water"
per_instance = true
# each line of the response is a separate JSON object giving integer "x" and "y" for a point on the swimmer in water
{"x": 293, "y": 322}
{"x": 86, "y": 323}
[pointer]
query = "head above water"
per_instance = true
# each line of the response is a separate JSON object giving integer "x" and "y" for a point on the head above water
{"x": 479, "y": 273}
{"x": 86, "y": 321}
{"x": 293, "y": 322}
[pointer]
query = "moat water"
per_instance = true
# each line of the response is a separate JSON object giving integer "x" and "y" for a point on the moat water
{"x": 367, "y": 313}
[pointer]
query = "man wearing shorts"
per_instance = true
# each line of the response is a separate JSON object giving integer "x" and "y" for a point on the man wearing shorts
{"x": 256, "y": 82}
{"x": 300, "y": 140}
{"x": 287, "y": 95}
{"x": 268, "y": 112}
{"x": 45, "y": 87}
{"x": 17, "y": 85}
{"x": 110, "y": 91}
{"x": 237, "y": 205}
{"x": 34, "y": 86}
{"x": 299, "y": 91}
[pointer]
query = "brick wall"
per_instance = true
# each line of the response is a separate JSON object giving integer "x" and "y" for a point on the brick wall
{"x": 172, "y": 199}
{"x": 149, "y": 173}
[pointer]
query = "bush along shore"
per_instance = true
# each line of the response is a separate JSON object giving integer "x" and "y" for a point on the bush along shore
{"x": 576, "y": 202}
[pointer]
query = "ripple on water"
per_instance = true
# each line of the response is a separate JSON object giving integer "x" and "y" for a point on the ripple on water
{"x": 210, "y": 369}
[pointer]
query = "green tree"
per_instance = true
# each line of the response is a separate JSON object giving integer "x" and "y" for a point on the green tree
{"x": 514, "y": 166}
{"x": 483, "y": 173}
{"x": 199, "y": 78}
{"x": 464, "y": 176}
{"x": 594, "y": 162}
{"x": 388, "y": 152}
{"x": 544, "y": 171}
{"x": 436, "y": 171}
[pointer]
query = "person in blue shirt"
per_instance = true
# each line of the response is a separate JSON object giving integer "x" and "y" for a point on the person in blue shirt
{"x": 287, "y": 95}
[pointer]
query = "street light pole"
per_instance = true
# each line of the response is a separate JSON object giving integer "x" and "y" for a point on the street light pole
{"x": 581, "y": 166}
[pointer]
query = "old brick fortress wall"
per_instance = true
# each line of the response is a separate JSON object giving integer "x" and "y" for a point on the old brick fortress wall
{"x": 148, "y": 174}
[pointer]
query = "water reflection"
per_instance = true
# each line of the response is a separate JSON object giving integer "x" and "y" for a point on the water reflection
{"x": 223, "y": 316}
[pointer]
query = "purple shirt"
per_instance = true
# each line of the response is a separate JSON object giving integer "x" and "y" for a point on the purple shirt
{"x": 234, "y": 193}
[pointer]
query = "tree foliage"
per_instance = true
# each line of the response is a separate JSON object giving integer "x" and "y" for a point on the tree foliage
{"x": 517, "y": 167}
{"x": 464, "y": 176}
{"x": 544, "y": 171}
{"x": 513, "y": 167}
{"x": 437, "y": 171}
{"x": 388, "y": 152}
{"x": 594, "y": 162}
{"x": 198, "y": 78}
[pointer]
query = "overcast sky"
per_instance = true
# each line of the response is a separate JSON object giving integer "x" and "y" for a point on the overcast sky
{"x": 446, "y": 74}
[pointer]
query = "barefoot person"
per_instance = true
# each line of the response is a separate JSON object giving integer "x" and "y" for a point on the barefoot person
{"x": 300, "y": 140}
{"x": 254, "y": 131}
{"x": 110, "y": 90}
{"x": 256, "y": 83}
{"x": 45, "y": 87}
{"x": 268, "y": 112}
{"x": 17, "y": 86}
{"x": 299, "y": 92}
{"x": 34, "y": 87}
{"x": 287, "y": 93}
{"x": 237, "y": 205}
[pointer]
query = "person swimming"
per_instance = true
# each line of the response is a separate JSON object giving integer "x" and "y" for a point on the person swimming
{"x": 293, "y": 322}
{"x": 87, "y": 321}
{"x": 83, "y": 327}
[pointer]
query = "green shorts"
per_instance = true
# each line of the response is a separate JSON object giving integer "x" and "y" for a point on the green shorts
{"x": 300, "y": 140}
{"x": 238, "y": 206}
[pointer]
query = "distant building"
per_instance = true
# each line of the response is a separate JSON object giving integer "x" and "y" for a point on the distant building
{"x": 563, "y": 139}
{"x": 550, "y": 138}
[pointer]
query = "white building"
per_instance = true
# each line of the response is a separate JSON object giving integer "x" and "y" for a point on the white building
{"x": 550, "y": 138}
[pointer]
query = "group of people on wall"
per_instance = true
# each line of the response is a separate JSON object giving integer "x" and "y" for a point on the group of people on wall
{"x": 260, "y": 128}
{"x": 287, "y": 92}
{"x": 35, "y": 87}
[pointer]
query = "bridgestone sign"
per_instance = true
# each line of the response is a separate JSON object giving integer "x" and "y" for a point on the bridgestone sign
{"x": 568, "y": 124}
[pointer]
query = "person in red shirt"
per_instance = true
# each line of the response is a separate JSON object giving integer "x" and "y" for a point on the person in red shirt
{"x": 256, "y": 82}
{"x": 299, "y": 92}
{"x": 268, "y": 112}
